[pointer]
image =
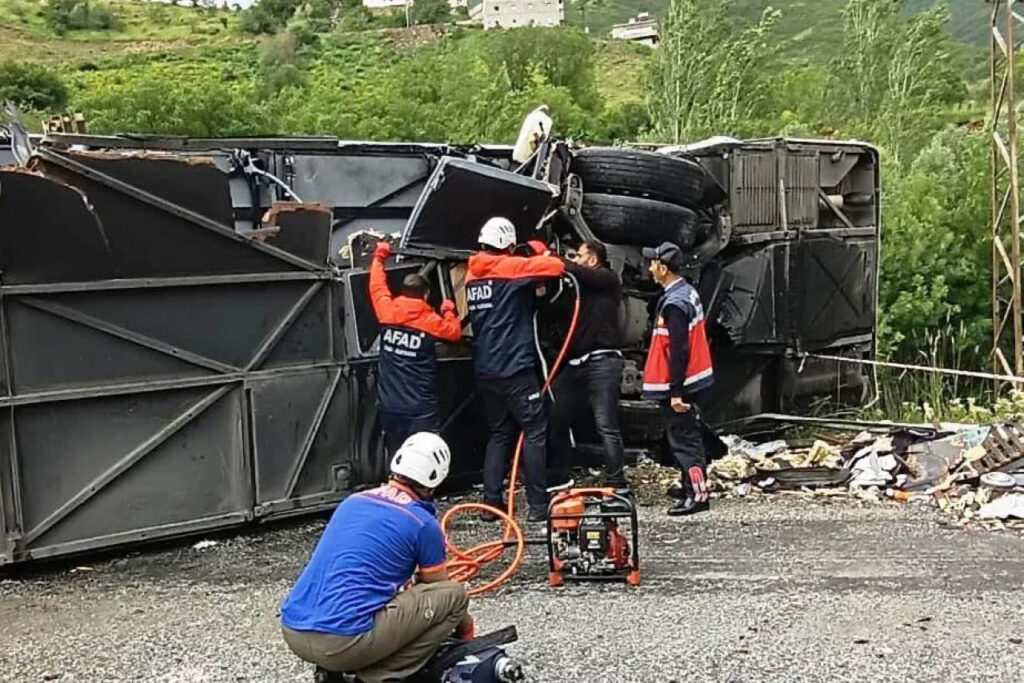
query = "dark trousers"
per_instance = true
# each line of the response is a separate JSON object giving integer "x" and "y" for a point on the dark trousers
{"x": 597, "y": 383}
{"x": 515, "y": 404}
{"x": 686, "y": 444}
{"x": 398, "y": 427}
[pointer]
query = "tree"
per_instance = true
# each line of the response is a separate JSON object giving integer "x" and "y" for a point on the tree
{"x": 74, "y": 15}
{"x": 430, "y": 12}
{"x": 268, "y": 16}
{"x": 707, "y": 74}
{"x": 564, "y": 56}
{"x": 32, "y": 87}
{"x": 894, "y": 71}
{"x": 584, "y": 5}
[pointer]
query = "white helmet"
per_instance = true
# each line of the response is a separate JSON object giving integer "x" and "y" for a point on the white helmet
{"x": 498, "y": 232}
{"x": 424, "y": 458}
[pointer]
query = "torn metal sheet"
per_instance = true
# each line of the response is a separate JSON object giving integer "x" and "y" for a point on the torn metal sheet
{"x": 300, "y": 229}
{"x": 929, "y": 461}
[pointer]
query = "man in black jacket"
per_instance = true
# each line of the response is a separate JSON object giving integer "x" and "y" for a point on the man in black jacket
{"x": 593, "y": 370}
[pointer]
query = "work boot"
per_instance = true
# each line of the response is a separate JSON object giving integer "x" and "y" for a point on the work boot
{"x": 490, "y": 516}
{"x": 688, "y": 501}
{"x": 537, "y": 514}
{"x": 688, "y": 506}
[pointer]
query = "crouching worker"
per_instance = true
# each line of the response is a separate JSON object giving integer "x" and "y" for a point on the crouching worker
{"x": 344, "y": 613}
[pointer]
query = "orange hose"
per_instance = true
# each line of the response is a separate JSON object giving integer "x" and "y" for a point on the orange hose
{"x": 466, "y": 564}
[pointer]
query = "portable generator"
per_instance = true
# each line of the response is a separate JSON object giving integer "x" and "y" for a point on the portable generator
{"x": 587, "y": 540}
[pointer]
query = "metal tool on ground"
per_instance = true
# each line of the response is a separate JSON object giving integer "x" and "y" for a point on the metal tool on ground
{"x": 480, "y": 660}
{"x": 587, "y": 540}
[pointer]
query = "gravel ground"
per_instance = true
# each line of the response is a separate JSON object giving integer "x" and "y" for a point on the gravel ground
{"x": 777, "y": 588}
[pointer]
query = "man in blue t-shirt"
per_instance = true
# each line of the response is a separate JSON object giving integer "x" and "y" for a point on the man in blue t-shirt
{"x": 345, "y": 612}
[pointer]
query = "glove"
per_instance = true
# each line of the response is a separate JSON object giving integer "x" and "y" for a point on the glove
{"x": 447, "y": 306}
{"x": 539, "y": 247}
{"x": 383, "y": 250}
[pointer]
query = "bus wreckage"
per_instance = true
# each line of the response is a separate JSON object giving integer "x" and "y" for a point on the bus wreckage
{"x": 187, "y": 341}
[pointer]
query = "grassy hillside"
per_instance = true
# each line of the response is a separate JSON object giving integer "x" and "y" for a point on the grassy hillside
{"x": 812, "y": 24}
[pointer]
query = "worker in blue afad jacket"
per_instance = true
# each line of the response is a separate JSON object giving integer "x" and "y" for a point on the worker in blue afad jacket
{"x": 345, "y": 613}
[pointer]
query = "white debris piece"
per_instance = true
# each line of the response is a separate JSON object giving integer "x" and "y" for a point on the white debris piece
{"x": 1004, "y": 507}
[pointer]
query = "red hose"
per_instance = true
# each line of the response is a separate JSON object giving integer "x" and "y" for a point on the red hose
{"x": 466, "y": 564}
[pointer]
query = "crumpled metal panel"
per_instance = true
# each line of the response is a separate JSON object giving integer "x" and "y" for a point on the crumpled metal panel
{"x": 459, "y": 198}
{"x": 50, "y": 232}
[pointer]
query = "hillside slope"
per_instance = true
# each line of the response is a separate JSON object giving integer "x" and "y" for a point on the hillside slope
{"x": 812, "y": 23}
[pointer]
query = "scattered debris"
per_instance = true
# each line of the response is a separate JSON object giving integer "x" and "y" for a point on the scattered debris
{"x": 204, "y": 545}
{"x": 970, "y": 472}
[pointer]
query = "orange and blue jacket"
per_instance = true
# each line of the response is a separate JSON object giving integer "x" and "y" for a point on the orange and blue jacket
{"x": 410, "y": 328}
{"x": 679, "y": 359}
{"x": 500, "y": 292}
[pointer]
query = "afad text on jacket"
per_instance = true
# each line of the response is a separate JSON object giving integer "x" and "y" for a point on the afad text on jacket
{"x": 657, "y": 379}
{"x": 500, "y": 292}
{"x": 410, "y": 329}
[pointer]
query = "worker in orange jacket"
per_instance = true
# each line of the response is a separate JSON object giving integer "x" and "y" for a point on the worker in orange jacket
{"x": 407, "y": 369}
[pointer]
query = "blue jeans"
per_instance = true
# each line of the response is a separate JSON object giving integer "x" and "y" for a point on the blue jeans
{"x": 514, "y": 404}
{"x": 598, "y": 383}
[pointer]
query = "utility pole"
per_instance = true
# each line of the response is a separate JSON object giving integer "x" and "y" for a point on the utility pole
{"x": 1006, "y": 216}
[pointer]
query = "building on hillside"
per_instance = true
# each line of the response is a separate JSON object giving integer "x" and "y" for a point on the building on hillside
{"x": 513, "y": 13}
{"x": 642, "y": 29}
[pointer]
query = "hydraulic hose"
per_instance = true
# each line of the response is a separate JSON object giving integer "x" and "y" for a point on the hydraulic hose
{"x": 466, "y": 564}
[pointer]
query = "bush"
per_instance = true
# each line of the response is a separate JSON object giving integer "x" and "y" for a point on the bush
{"x": 32, "y": 87}
{"x": 268, "y": 16}
{"x": 79, "y": 15}
{"x": 430, "y": 12}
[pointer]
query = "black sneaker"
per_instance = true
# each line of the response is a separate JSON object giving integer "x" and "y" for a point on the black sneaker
{"x": 537, "y": 515}
{"x": 321, "y": 675}
{"x": 489, "y": 516}
{"x": 688, "y": 506}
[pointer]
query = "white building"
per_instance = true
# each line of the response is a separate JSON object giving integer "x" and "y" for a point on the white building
{"x": 514, "y": 13}
{"x": 643, "y": 29}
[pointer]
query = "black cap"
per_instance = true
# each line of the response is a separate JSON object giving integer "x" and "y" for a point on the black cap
{"x": 668, "y": 254}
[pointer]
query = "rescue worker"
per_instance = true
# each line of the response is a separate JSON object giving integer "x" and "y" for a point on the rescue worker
{"x": 345, "y": 613}
{"x": 593, "y": 373}
{"x": 677, "y": 374}
{"x": 500, "y": 292}
{"x": 407, "y": 369}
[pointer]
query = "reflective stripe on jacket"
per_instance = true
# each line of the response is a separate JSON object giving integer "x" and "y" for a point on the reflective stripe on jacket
{"x": 699, "y": 374}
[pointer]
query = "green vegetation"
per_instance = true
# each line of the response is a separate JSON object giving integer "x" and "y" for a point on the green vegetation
{"x": 906, "y": 75}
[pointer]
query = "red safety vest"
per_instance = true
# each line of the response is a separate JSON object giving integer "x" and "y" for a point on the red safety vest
{"x": 699, "y": 372}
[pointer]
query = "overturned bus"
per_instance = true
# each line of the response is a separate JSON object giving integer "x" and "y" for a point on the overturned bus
{"x": 187, "y": 343}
